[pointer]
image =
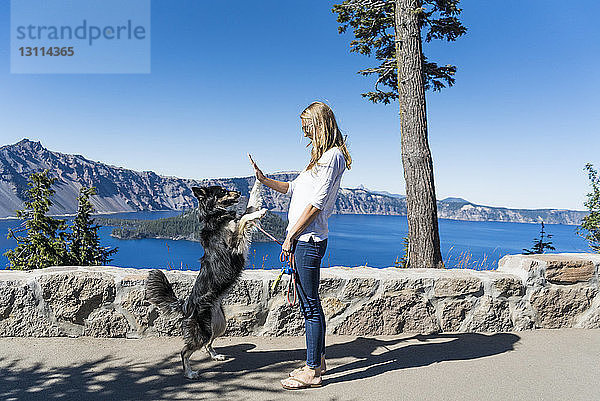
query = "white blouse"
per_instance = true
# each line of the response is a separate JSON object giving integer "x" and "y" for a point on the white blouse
{"x": 318, "y": 187}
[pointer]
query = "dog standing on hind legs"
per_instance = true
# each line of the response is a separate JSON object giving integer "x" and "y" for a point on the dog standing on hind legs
{"x": 226, "y": 241}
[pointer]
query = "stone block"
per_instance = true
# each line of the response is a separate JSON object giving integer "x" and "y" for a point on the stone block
{"x": 244, "y": 292}
{"x": 7, "y": 298}
{"x": 20, "y": 313}
{"x": 142, "y": 311}
{"x": 508, "y": 287}
{"x": 558, "y": 307}
{"x": 330, "y": 286}
{"x": 523, "y": 316}
{"x": 413, "y": 283}
{"x": 242, "y": 321}
{"x": 453, "y": 313}
{"x": 456, "y": 286}
{"x": 535, "y": 270}
{"x": 283, "y": 319}
{"x": 73, "y": 296}
{"x": 406, "y": 311}
{"x": 569, "y": 271}
{"x": 591, "y": 320}
{"x": 106, "y": 323}
{"x": 332, "y": 307}
{"x": 528, "y": 269}
{"x": 491, "y": 315}
{"x": 358, "y": 287}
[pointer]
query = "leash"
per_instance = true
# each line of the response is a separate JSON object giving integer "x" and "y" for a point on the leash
{"x": 289, "y": 267}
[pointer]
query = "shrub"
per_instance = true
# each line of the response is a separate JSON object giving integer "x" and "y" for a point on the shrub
{"x": 539, "y": 245}
{"x": 590, "y": 224}
{"x": 47, "y": 242}
{"x": 84, "y": 242}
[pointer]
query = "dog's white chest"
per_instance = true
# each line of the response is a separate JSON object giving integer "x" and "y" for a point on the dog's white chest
{"x": 230, "y": 230}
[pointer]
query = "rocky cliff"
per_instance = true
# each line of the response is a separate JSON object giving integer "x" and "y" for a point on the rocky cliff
{"x": 119, "y": 189}
{"x": 123, "y": 190}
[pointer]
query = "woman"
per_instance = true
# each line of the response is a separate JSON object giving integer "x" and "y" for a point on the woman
{"x": 313, "y": 196}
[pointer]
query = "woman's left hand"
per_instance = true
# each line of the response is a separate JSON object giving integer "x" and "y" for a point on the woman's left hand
{"x": 257, "y": 171}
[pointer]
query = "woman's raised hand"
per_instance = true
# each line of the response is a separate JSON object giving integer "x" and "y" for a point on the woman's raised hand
{"x": 278, "y": 186}
{"x": 259, "y": 174}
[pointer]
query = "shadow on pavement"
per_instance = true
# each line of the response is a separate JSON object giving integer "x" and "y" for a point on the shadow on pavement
{"x": 452, "y": 347}
{"x": 118, "y": 378}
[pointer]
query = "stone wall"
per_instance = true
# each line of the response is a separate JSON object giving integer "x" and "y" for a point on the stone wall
{"x": 526, "y": 292}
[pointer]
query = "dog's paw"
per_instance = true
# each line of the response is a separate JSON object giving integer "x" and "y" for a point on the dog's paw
{"x": 218, "y": 357}
{"x": 254, "y": 215}
{"x": 192, "y": 375}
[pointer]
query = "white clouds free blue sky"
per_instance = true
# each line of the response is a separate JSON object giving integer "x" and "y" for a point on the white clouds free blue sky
{"x": 232, "y": 77}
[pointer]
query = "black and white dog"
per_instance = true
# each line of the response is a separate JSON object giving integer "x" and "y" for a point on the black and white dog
{"x": 225, "y": 240}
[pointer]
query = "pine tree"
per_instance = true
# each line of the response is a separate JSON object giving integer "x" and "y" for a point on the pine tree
{"x": 45, "y": 243}
{"x": 393, "y": 30}
{"x": 590, "y": 225}
{"x": 84, "y": 242}
{"x": 539, "y": 245}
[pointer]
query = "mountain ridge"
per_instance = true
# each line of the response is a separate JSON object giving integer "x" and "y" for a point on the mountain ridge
{"x": 124, "y": 190}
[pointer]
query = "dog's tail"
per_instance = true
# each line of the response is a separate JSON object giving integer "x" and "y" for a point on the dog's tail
{"x": 160, "y": 292}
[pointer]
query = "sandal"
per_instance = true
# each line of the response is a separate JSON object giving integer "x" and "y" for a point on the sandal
{"x": 304, "y": 367}
{"x": 302, "y": 383}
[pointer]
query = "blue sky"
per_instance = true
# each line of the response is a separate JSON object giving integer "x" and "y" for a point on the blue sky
{"x": 232, "y": 77}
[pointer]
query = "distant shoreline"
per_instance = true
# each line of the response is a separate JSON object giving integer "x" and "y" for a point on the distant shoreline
{"x": 338, "y": 214}
{"x": 97, "y": 214}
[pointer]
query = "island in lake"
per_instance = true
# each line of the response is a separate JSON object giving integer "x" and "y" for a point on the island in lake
{"x": 186, "y": 226}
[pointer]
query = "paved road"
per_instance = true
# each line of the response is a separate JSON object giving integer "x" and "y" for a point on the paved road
{"x": 532, "y": 365}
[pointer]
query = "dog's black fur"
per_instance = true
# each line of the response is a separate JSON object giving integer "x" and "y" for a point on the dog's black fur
{"x": 225, "y": 240}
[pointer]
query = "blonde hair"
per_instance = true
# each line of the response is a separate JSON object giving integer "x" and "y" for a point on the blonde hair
{"x": 325, "y": 133}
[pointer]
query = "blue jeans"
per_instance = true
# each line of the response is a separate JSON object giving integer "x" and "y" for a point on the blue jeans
{"x": 308, "y": 257}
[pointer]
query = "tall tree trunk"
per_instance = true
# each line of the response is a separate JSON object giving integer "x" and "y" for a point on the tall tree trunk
{"x": 423, "y": 235}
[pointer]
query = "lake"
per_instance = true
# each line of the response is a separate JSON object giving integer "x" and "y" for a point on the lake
{"x": 354, "y": 240}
